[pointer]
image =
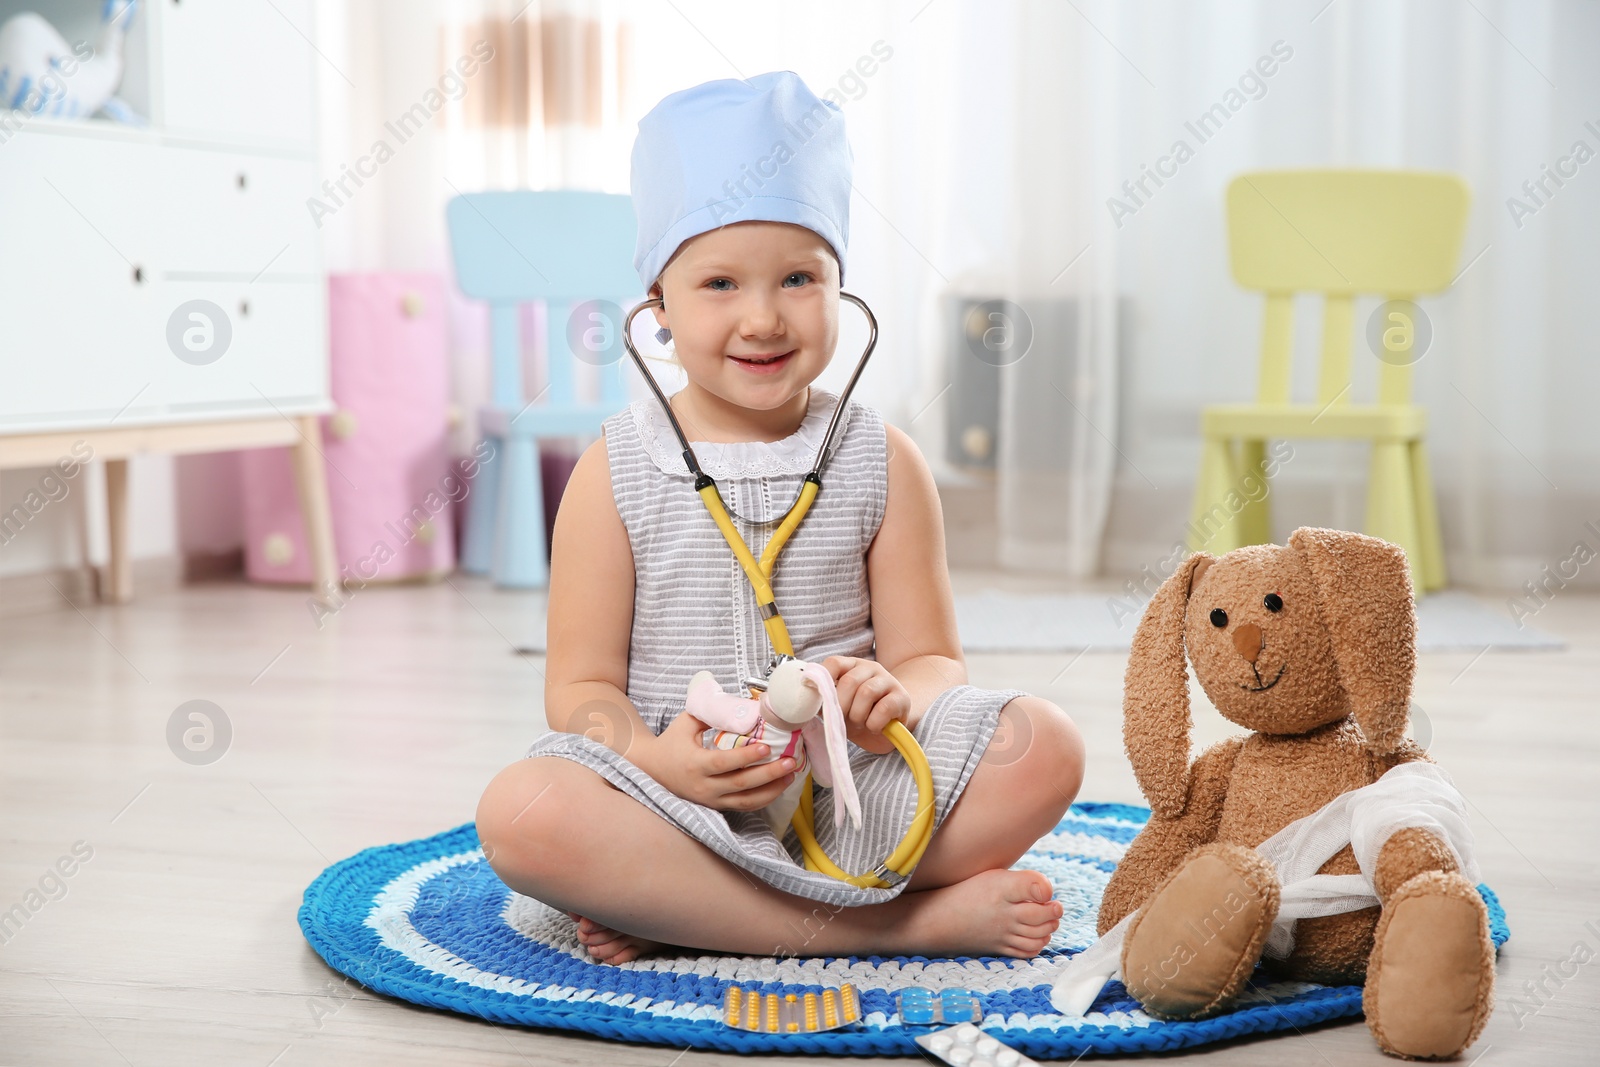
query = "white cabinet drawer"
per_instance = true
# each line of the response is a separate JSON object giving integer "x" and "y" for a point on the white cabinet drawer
{"x": 235, "y": 214}
{"x": 276, "y": 352}
{"x": 63, "y": 363}
{"x": 171, "y": 210}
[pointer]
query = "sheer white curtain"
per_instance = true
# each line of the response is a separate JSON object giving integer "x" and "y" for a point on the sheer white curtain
{"x": 1494, "y": 91}
{"x": 1058, "y": 409}
{"x": 996, "y": 146}
{"x": 554, "y": 111}
{"x": 466, "y": 95}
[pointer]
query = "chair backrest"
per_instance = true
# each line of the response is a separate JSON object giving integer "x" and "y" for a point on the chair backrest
{"x": 560, "y": 246}
{"x": 1342, "y": 233}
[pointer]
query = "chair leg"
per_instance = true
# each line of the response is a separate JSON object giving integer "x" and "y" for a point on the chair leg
{"x": 1427, "y": 511}
{"x": 1255, "y": 521}
{"x": 1213, "y": 525}
{"x": 477, "y": 536}
{"x": 1391, "y": 508}
{"x": 520, "y": 559}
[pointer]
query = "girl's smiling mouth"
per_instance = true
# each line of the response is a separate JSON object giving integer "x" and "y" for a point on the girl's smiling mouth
{"x": 763, "y": 364}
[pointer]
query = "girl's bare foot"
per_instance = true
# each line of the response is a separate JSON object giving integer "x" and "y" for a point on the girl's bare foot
{"x": 993, "y": 913}
{"x": 610, "y": 946}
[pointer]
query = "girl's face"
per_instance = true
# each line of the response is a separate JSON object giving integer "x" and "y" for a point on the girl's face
{"x": 738, "y": 296}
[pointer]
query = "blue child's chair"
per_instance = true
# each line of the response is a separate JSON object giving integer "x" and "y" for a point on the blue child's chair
{"x": 564, "y": 247}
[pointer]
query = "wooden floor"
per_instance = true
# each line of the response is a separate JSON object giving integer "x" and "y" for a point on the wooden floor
{"x": 176, "y": 942}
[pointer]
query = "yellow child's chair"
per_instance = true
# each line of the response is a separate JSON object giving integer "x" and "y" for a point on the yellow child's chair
{"x": 1341, "y": 233}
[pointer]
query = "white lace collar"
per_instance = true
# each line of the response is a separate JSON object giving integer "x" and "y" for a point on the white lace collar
{"x": 739, "y": 459}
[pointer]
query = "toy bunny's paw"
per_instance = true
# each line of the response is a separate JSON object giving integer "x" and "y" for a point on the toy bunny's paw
{"x": 1430, "y": 979}
{"x": 1191, "y": 948}
{"x": 703, "y": 685}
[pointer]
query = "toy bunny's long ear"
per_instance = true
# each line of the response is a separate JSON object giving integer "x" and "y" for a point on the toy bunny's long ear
{"x": 816, "y": 739}
{"x": 837, "y": 754}
{"x": 1155, "y": 703}
{"x": 1364, "y": 595}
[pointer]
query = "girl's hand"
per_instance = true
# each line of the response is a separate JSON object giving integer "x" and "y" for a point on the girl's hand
{"x": 723, "y": 779}
{"x": 871, "y": 698}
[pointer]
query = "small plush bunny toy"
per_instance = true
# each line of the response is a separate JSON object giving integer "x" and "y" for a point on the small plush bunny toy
{"x": 785, "y": 717}
{"x": 1311, "y": 646}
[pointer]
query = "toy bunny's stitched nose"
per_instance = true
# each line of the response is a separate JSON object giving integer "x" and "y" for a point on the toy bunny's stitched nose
{"x": 1249, "y": 640}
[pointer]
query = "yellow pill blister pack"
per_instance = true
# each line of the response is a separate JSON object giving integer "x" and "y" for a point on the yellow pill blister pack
{"x": 790, "y": 1013}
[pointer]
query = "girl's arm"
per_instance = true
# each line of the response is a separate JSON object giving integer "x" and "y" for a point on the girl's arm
{"x": 591, "y": 613}
{"x": 586, "y": 676}
{"x": 908, "y": 579}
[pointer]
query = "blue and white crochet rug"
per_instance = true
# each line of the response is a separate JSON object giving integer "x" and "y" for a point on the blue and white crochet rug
{"x": 429, "y": 922}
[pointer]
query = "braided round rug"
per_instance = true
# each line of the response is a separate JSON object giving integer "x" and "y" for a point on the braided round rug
{"x": 429, "y": 922}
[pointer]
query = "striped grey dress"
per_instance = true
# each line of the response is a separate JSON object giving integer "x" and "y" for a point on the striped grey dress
{"x": 694, "y": 610}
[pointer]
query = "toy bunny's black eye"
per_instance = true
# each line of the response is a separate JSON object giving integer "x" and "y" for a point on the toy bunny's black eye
{"x": 1219, "y": 618}
{"x": 1272, "y": 602}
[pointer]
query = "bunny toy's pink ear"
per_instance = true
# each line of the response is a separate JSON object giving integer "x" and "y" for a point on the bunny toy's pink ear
{"x": 836, "y": 758}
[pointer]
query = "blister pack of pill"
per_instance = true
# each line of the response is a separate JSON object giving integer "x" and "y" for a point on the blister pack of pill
{"x": 924, "y": 1007}
{"x": 806, "y": 1013}
{"x": 967, "y": 1046}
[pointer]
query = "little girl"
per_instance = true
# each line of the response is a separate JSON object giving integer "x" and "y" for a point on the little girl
{"x": 620, "y": 815}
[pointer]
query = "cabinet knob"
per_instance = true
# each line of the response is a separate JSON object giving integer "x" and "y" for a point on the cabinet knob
{"x": 411, "y": 304}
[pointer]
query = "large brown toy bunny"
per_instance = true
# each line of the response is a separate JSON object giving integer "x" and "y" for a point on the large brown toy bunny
{"x": 1312, "y": 647}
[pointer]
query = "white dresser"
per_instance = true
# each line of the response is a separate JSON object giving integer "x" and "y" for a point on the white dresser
{"x": 110, "y": 234}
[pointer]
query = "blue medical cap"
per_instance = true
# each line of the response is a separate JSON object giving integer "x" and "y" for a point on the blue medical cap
{"x": 766, "y": 148}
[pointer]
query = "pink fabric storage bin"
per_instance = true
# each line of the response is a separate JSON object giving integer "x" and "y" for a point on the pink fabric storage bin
{"x": 391, "y": 484}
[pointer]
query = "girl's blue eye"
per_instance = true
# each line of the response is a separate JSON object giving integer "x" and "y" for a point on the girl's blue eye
{"x": 712, "y": 284}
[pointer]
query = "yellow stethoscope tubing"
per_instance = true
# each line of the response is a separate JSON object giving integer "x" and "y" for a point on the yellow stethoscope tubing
{"x": 791, "y": 521}
{"x": 920, "y": 833}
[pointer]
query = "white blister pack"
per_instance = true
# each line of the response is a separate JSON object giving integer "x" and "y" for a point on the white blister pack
{"x": 967, "y": 1046}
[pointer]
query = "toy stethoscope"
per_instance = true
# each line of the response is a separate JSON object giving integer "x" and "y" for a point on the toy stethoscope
{"x": 904, "y": 858}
